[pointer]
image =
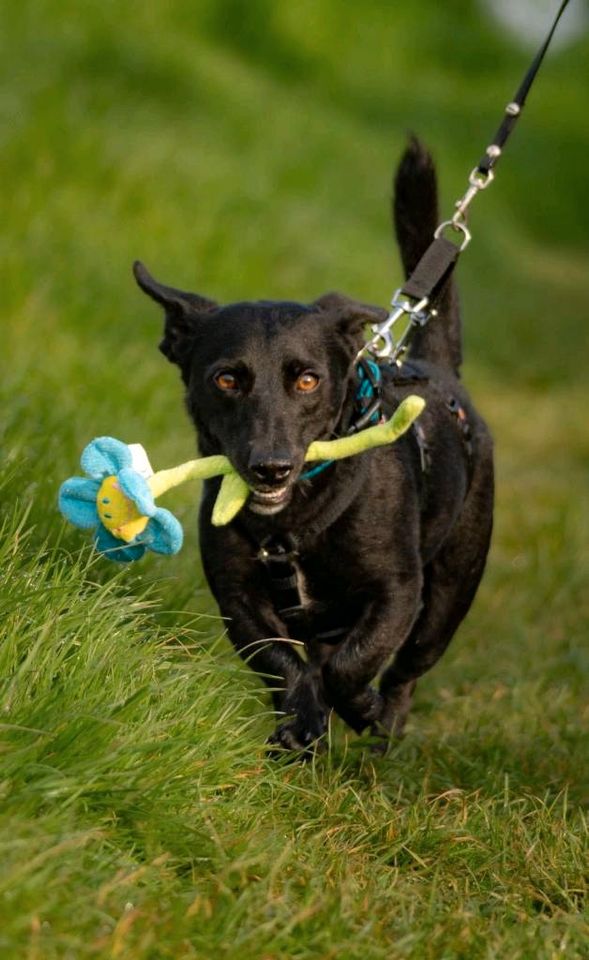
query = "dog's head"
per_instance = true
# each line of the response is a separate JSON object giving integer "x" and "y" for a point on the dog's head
{"x": 263, "y": 380}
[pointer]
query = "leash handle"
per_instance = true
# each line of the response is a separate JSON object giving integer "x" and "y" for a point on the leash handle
{"x": 451, "y": 236}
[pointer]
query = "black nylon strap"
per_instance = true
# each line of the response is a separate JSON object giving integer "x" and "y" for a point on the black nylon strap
{"x": 277, "y": 555}
{"x": 514, "y": 109}
{"x": 433, "y": 268}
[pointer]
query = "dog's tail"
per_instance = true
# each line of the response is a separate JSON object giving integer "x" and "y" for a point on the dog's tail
{"x": 415, "y": 216}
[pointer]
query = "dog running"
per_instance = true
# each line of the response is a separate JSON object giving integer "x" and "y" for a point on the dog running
{"x": 355, "y": 570}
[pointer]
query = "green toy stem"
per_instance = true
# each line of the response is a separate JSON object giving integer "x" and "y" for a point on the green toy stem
{"x": 234, "y": 490}
{"x": 377, "y": 436}
{"x": 230, "y": 499}
{"x": 202, "y": 469}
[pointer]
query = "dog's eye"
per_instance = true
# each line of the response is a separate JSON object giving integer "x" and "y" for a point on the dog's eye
{"x": 307, "y": 382}
{"x": 226, "y": 381}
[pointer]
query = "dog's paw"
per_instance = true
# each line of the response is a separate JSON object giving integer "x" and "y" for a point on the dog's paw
{"x": 294, "y": 737}
{"x": 307, "y": 723}
{"x": 396, "y": 707}
{"x": 380, "y": 740}
{"x": 362, "y": 710}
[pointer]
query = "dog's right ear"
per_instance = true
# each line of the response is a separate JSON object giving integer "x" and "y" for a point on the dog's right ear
{"x": 183, "y": 311}
{"x": 350, "y": 316}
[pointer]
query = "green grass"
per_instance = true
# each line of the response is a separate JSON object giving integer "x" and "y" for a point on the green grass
{"x": 245, "y": 150}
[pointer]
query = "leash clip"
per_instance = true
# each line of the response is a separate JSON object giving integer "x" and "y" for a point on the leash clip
{"x": 478, "y": 180}
{"x": 382, "y": 343}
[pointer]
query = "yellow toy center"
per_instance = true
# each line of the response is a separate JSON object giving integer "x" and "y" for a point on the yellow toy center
{"x": 117, "y": 513}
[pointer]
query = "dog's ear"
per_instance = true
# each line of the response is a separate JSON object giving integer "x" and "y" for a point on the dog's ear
{"x": 183, "y": 311}
{"x": 350, "y": 316}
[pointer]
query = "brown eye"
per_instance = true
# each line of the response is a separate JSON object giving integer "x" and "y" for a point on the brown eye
{"x": 226, "y": 381}
{"x": 307, "y": 382}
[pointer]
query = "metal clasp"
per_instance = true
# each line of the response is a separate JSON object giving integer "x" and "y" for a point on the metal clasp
{"x": 477, "y": 181}
{"x": 382, "y": 343}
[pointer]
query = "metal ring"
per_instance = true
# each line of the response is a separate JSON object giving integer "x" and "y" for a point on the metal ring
{"x": 458, "y": 227}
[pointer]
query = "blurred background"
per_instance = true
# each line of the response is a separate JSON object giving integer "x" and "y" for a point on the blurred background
{"x": 244, "y": 148}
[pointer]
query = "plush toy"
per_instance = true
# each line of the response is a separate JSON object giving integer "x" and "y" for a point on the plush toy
{"x": 117, "y": 497}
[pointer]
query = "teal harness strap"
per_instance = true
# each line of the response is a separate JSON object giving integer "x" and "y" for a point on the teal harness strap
{"x": 367, "y": 395}
{"x": 319, "y": 468}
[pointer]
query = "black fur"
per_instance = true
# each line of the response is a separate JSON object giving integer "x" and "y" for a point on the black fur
{"x": 391, "y": 552}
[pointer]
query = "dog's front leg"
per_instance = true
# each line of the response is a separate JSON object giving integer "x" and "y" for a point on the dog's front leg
{"x": 380, "y": 630}
{"x": 239, "y": 584}
{"x": 295, "y": 684}
{"x": 306, "y": 713}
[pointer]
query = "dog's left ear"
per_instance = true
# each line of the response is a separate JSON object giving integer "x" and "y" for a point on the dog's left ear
{"x": 183, "y": 311}
{"x": 350, "y": 316}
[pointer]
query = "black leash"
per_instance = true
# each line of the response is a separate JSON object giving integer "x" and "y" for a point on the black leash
{"x": 436, "y": 265}
{"x": 514, "y": 109}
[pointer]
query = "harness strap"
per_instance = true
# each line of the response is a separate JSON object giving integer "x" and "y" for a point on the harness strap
{"x": 277, "y": 554}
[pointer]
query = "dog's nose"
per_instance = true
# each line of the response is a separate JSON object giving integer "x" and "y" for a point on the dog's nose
{"x": 271, "y": 472}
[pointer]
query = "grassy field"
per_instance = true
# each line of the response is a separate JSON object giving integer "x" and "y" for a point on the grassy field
{"x": 245, "y": 149}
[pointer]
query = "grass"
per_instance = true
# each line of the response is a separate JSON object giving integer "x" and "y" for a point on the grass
{"x": 245, "y": 150}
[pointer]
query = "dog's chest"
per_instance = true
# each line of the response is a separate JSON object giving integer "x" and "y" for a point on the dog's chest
{"x": 325, "y": 598}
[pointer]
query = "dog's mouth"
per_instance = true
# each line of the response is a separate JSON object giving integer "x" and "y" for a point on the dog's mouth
{"x": 267, "y": 502}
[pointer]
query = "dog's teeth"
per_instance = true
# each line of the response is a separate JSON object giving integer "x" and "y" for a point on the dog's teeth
{"x": 270, "y": 494}
{"x": 268, "y": 501}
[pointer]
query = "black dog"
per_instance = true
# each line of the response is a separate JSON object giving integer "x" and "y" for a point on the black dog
{"x": 372, "y": 562}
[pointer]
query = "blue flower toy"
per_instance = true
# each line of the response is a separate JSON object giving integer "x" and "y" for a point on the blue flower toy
{"x": 116, "y": 500}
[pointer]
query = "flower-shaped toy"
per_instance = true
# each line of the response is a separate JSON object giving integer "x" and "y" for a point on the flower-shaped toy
{"x": 116, "y": 500}
{"x": 117, "y": 497}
